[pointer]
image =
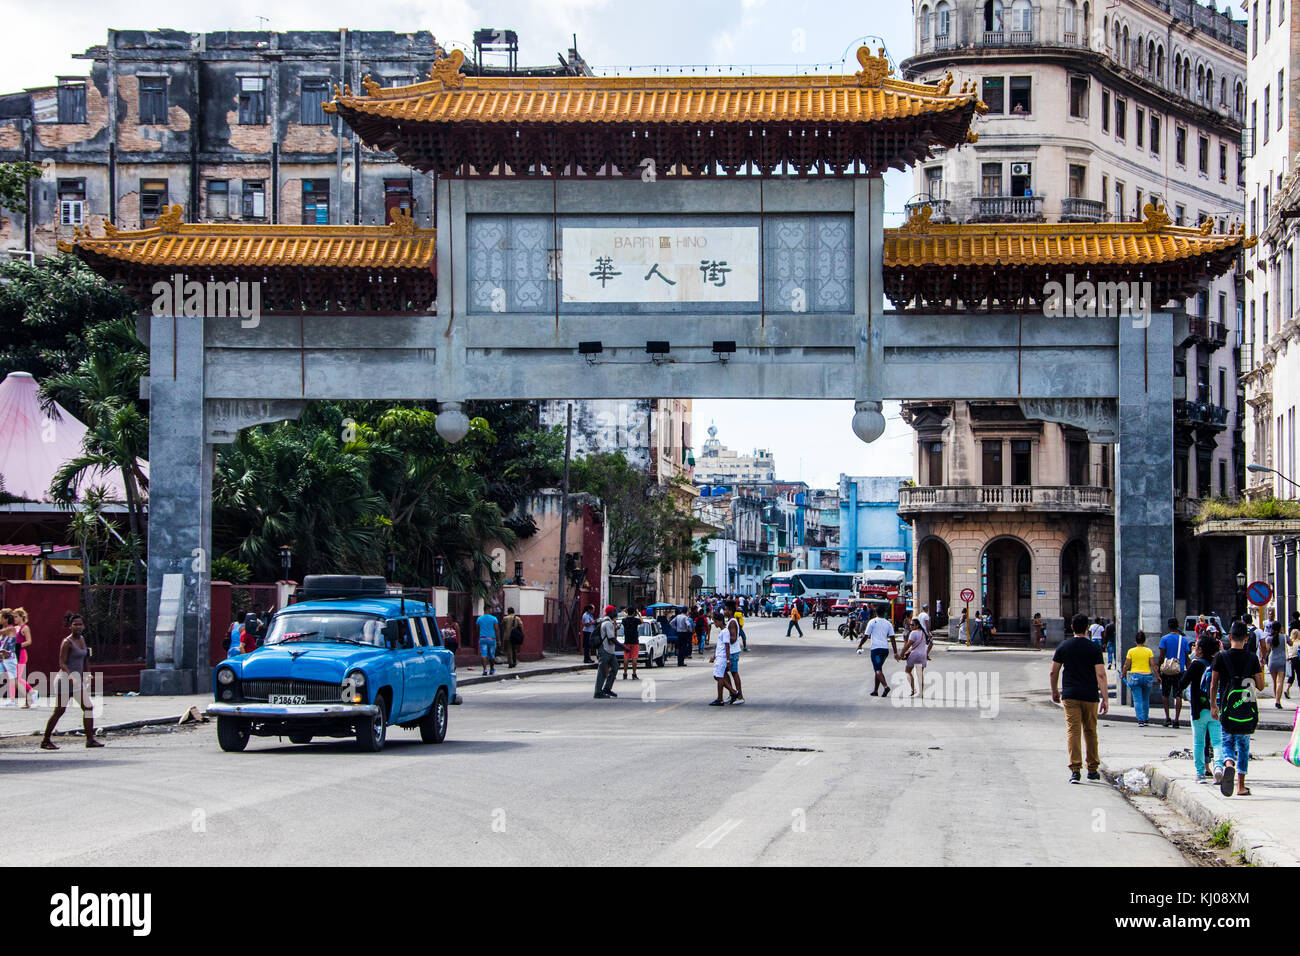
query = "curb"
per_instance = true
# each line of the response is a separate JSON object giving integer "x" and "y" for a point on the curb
{"x": 1132, "y": 719}
{"x": 534, "y": 672}
{"x": 1198, "y": 804}
{"x": 6, "y": 739}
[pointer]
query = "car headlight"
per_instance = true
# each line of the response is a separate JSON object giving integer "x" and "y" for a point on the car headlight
{"x": 225, "y": 676}
{"x": 354, "y": 688}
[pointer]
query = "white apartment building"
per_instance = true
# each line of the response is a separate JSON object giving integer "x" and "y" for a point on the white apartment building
{"x": 1270, "y": 370}
{"x": 1096, "y": 111}
{"x": 719, "y": 464}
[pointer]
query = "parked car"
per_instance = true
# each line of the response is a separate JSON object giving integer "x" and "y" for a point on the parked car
{"x": 349, "y": 660}
{"x": 839, "y": 609}
{"x": 654, "y": 644}
{"x": 1189, "y": 624}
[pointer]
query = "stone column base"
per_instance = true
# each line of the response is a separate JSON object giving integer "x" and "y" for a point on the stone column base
{"x": 155, "y": 682}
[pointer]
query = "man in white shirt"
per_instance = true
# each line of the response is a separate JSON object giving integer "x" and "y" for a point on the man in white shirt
{"x": 1097, "y": 632}
{"x": 880, "y": 632}
{"x": 683, "y": 630}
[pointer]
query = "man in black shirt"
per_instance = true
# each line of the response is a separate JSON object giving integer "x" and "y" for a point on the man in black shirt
{"x": 631, "y": 641}
{"x": 1084, "y": 693}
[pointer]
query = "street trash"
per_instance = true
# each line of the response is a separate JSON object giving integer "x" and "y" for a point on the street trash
{"x": 1135, "y": 781}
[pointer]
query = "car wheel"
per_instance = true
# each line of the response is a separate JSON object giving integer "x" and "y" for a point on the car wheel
{"x": 300, "y": 738}
{"x": 661, "y": 659}
{"x": 433, "y": 726}
{"x": 232, "y": 734}
{"x": 372, "y": 733}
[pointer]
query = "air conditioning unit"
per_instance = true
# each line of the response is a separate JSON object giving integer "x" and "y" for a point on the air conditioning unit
{"x": 1019, "y": 169}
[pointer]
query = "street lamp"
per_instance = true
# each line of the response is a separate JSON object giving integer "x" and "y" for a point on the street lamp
{"x": 286, "y": 561}
{"x": 1241, "y": 593}
{"x": 390, "y": 562}
{"x": 439, "y": 566}
{"x": 1265, "y": 468}
{"x": 47, "y": 552}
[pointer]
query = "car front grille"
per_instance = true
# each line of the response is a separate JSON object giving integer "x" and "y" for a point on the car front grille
{"x": 316, "y": 692}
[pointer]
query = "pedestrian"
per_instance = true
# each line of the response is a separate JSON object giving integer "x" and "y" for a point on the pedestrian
{"x": 1040, "y": 631}
{"x": 588, "y": 632}
{"x": 1201, "y": 624}
{"x": 234, "y": 644}
{"x": 1137, "y": 670}
{"x": 1080, "y": 669}
{"x": 1171, "y": 661}
{"x": 8, "y": 654}
{"x": 1237, "y": 676}
{"x": 739, "y": 615}
{"x": 963, "y": 627}
{"x": 924, "y": 620}
{"x": 1198, "y": 681}
{"x": 1097, "y": 632}
{"x": 1292, "y": 655}
{"x": 732, "y": 633}
{"x": 1108, "y": 638}
{"x": 795, "y": 614}
{"x": 70, "y": 683}
{"x": 915, "y": 653}
{"x": 881, "y": 635}
{"x": 1253, "y": 634}
{"x": 607, "y": 654}
{"x": 701, "y": 628}
{"x": 683, "y": 629}
{"x": 23, "y": 643}
{"x": 631, "y": 641}
{"x": 488, "y": 629}
{"x": 1277, "y": 662}
{"x": 721, "y": 661}
{"x": 512, "y": 631}
{"x": 249, "y": 632}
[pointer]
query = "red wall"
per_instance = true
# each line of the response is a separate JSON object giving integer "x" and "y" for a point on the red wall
{"x": 46, "y": 603}
{"x": 219, "y": 628}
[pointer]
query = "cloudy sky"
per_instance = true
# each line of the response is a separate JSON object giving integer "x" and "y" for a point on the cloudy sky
{"x": 811, "y": 440}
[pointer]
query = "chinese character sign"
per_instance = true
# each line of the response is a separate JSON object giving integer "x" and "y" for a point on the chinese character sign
{"x": 612, "y": 264}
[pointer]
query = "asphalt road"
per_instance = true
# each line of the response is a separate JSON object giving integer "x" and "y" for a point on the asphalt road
{"x": 811, "y": 770}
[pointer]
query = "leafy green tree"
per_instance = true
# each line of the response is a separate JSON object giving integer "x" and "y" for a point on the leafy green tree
{"x": 14, "y": 178}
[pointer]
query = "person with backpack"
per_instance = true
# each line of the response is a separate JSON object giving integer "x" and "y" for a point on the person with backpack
{"x": 607, "y": 653}
{"x": 1199, "y": 680}
{"x": 1137, "y": 670}
{"x": 1171, "y": 661}
{"x": 512, "y": 628}
{"x": 1233, "y": 688}
{"x": 795, "y": 614}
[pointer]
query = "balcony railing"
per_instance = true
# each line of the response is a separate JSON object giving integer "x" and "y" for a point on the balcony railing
{"x": 1074, "y": 209}
{"x": 1021, "y": 37}
{"x": 940, "y": 209}
{"x": 1200, "y": 413}
{"x": 993, "y": 38}
{"x": 1043, "y": 498}
{"x": 1006, "y": 208}
{"x": 1202, "y": 330}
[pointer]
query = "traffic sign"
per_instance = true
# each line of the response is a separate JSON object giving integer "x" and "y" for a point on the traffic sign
{"x": 967, "y": 595}
{"x": 1259, "y": 593}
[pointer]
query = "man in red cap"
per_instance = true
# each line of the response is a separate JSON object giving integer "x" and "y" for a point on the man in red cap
{"x": 607, "y": 654}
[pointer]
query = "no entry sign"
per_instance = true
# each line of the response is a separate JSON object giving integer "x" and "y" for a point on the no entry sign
{"x": 1259, "y": 593}
{"x": 967, "y": 595}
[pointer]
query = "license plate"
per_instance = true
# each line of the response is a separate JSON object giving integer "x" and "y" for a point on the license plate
{"x": 288, "y": 698}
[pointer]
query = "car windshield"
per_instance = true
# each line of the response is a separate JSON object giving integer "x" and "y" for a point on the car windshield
{"x": 338, "y": 627}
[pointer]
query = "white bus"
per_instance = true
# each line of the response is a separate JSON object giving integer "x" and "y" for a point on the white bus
{"x": 810, "y": 585}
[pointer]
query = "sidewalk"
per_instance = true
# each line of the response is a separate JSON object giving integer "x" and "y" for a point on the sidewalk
{"x": 122, "y": 713}
{"x": 1265, "y": 827}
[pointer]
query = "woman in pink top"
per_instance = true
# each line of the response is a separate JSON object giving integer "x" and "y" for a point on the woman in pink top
{"x": 22, "y": 641}
{"x": 914, "y": 652}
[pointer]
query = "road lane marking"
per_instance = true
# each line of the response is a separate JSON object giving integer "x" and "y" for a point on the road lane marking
{"x": 805, "y": 761}
{"x": 851, "y": 723}
{"x": 665, "y": 710}
{"x": 717, "y": 836}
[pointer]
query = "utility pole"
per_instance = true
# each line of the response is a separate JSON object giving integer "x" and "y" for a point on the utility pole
{"x": 562, "y": 617}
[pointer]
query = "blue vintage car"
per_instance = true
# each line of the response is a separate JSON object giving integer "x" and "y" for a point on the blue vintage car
{"x": 348, "y": 660}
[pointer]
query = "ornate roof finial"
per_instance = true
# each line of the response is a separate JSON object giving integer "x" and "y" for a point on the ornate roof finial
{"x": 110, "y": 230}
{"x": 403, "y": 223}
{"x": 170, "y": 221}
{"x": 972, "y": 136}
{"x": 1207, "y": 226}
{"x": 945, "y": 84}
{"x": 874, "y": 68}
{"x": 370, "y": 86}
{"x": 446, "y": 69}
{"x": 918, "y": 221}
{"x": 1155, "y": 218}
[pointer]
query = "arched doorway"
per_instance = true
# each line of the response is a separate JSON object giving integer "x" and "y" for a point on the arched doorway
{"x": 934, "y": 567}
{"x": 1075, "y": 596}
{"x": 1007, "y": 579}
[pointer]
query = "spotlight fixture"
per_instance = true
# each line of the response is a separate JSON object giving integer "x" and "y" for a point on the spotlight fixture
{"x": 590, "y": 350}
{"x": 657, "y": 347}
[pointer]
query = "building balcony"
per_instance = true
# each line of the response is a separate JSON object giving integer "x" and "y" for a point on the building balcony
{"x": 1007, "y": 38}
{"x": 1074, "y": 209}
{"x": 1204, "y": 332}
{"x": 940, "y": 209}
{"x": 1006, "y": 209}
{"x": 934, "y": 499}
{"x": 1200, "y": 414}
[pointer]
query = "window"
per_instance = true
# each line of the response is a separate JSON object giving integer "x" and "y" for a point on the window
{"x": 934, "y": 454}
{"x": 397, "y": 195}
{"x": 1077, "y": 462}
{"x": 992, "y": 462}
{"x": 1181, "y": 213}
{"x": 1203, "y": 155}
{"x": 1079, "y": 97}
{"x": 1105, "y": 189}
{"x": 1078, "y": 176}
{"x": 1223, "y": 162}
{"x": 1020, "y": 458}
{"x": 1137, "y": 204}
{"x": 1267, "y": 100}
{"x": 218, "y": 199}
{"x": 934, "y": 182}
{"x": 315, "y": 91}
{"x": 1281, "y": 102}
{"x": 253, "y": 200}
{"x": 1268, "y": 19}
{"x": 1139, "y": 125}
{"x": 1019, "y": 98}
{"x": 153, "y": 200}
{"x": 72, "y": 101}
{"x": 1180, "y": 145}
{"x": 1254, "y": 29}
{"x": 153, "y": 100}
{"x": 252, "y": 101}
{"x": 941, "y": 19}
{"x": 925, "y": 23}
{"x": 1022, "y": 16}
{"x": 991, "y": 179}
{"x": 992, "y": 94}
{"x": 1223, "y": 477}
{"x": 316, "y": 202}
{"x": 1022, "y": 180}
{"x": 1119, "y": 201}
{"x": 1155, "y": 135}
{"x": 1105, "y": 111}
{"x": 993, "y": 16}
{"x": 72, "y": 202}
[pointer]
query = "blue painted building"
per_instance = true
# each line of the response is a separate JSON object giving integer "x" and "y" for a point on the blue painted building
{"x": 872, "y": 535}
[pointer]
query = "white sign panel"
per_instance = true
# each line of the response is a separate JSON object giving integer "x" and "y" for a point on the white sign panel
{"x": 633, "y": 264}
{"x": 893, "y": 557}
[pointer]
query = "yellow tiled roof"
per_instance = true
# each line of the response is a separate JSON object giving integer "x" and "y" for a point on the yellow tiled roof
{"x": 450, "y": 97}
{"x": 922, "y": 243}
{"x": 174, "y": 244}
